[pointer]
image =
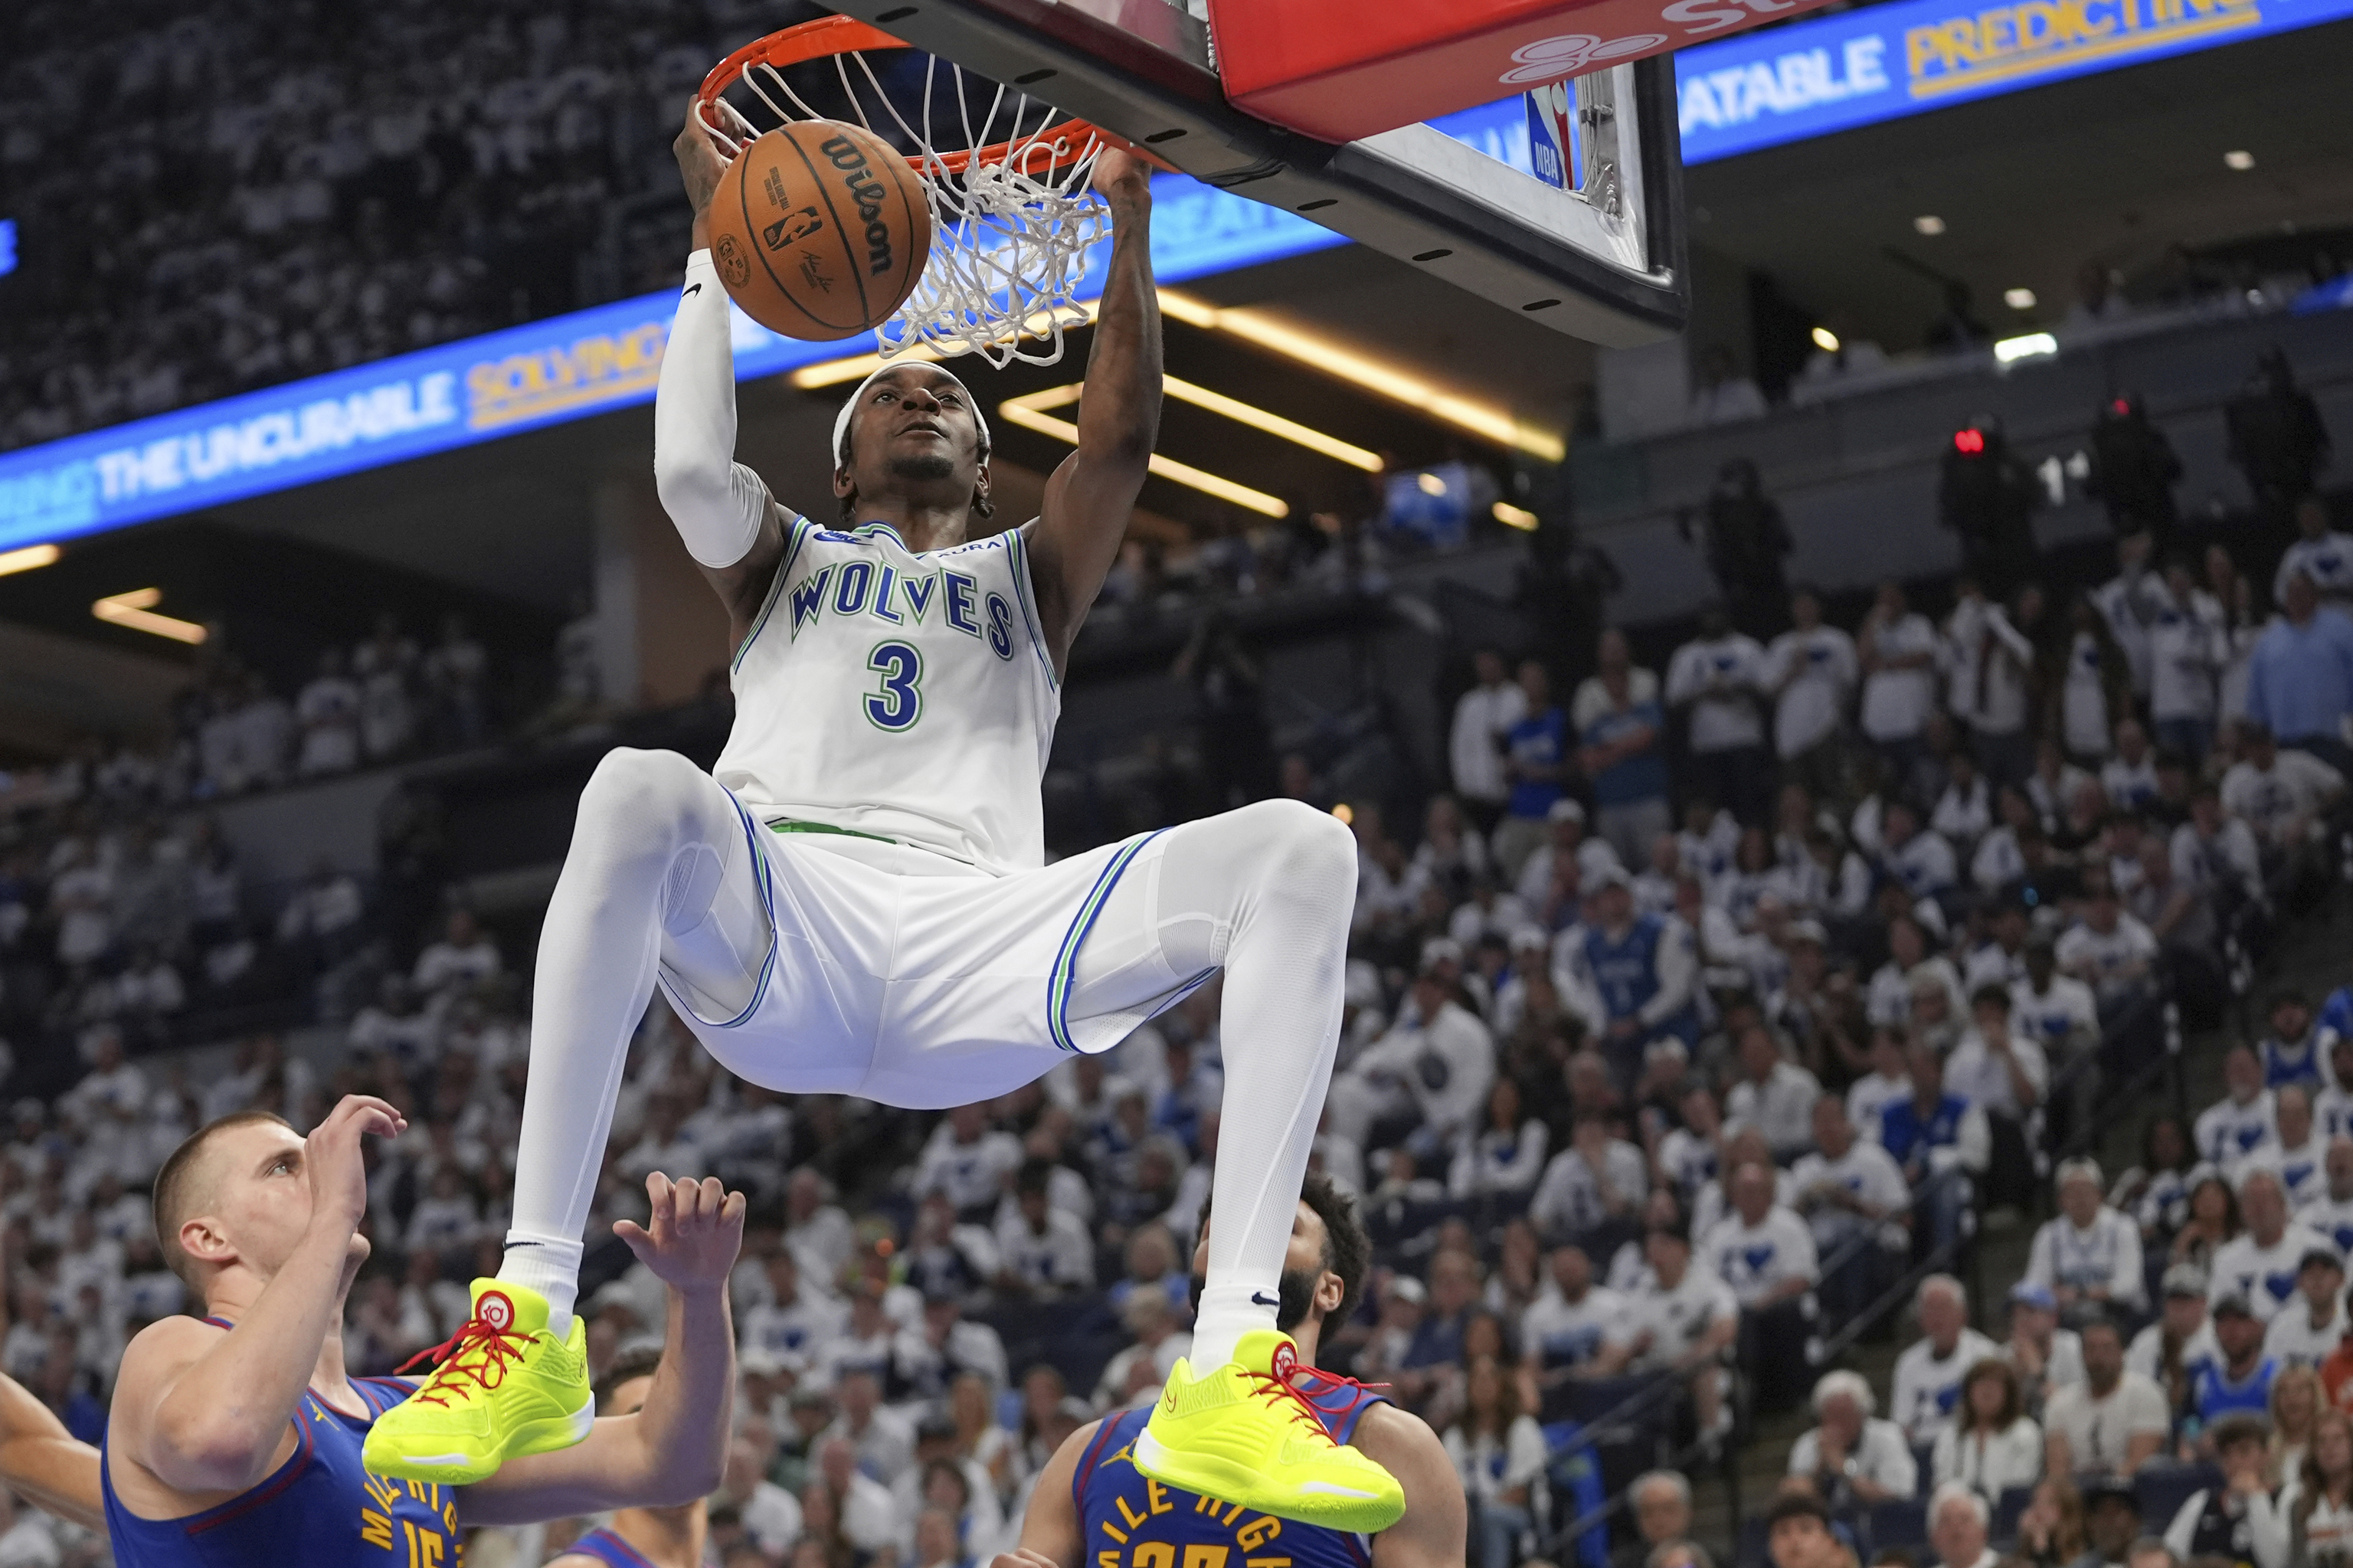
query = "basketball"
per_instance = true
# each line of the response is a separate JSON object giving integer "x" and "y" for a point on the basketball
{"x": 819, "y": 230}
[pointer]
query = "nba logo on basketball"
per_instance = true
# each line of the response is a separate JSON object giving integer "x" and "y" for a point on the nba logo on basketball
{"x": 793, "y": 226}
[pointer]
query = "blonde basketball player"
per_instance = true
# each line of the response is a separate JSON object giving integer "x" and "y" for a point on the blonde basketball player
{"x": 857, "y": 902}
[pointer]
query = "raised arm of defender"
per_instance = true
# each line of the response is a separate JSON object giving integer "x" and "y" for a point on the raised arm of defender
{"x": 722, "y": 510}
{"x": 1092, "y": 495}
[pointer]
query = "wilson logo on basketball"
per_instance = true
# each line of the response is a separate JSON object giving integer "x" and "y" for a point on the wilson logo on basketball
{"x": 858, "y": 175}
{"x": 791, "y": 227}
{"x": 496, "y": 1310}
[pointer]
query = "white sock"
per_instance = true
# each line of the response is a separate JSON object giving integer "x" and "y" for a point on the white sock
{"x": 644, "y": 816}
{"x": 550, "y": 1266}
{"x": 1230, "y": 1308}
{"x": 1265, "y": 892}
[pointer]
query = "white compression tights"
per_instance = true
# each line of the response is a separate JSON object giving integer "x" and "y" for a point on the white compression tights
{"x": 659, "y": 873}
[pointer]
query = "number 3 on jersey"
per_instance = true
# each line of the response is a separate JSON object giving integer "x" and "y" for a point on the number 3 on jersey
{"x": 900, "y": 703}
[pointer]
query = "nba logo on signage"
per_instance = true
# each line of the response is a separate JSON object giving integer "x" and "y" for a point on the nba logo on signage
{"x": 1552, "y": 133}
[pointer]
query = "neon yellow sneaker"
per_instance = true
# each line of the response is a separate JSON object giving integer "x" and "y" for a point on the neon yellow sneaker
{"x": 1242, "y": 1433}
{"x": 506, "y": 1387}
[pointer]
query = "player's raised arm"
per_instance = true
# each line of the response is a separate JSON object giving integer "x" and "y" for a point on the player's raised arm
{"x": 45, "y": 1464}
{"x": 673, "y": 1449}
{"x": 204, "y": 1411}
{"x": 1090, "y": 497}
{"x": 722, "y": 510}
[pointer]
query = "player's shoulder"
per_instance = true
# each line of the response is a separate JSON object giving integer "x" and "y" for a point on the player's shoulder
{"x": 165, "y": 1345}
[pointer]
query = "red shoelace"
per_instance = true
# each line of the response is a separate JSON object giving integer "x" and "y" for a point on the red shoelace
{"x": 1280, "y": 1392}
{"x": 492, "y": 1347}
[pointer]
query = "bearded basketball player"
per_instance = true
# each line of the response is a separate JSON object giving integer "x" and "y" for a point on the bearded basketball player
{"x": 857, "y": 902}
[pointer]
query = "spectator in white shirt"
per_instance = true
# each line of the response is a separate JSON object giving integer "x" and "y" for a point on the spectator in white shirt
{"x": 2057, "y": 1011}
{"x": 1848, "y": 1187}
{"x": 1991, "y": 1444}
{"x": 1595, "y": 1180}
{"x": 968, "y": 1162}
{"x": 1437, "y": 1062}
{"x": 2108, "y": 950}
{"x": 2281, "y": 794}
{"x": 2186, "y": 649}
{"x": 1812, "y": 671}
{"x": 2320, "y": 553}
{"x": 1681, "y": 1318}
{"x": 1507, "y": 1156}
{"x": 2227, "y": 1131}
{"x": 2331, "y": 1214}
{"x": 1897, "y": 651}
{"x": 1774, "y": 1094}
{"x": 1927, "y": 1379}
{"x": 870, "y": 1518}
{"x": 1989, "y": 663}
{"x": 1474, "y": 746}
{"x": 1964, "y": 812}
{"x": 2262, "y": 1263}
{"x": 329, "y": 713}
{"x": 1763, "y": 1251}
{"x": 1888, "y": 1081}
{"x": 1564, "y": 1329}
{"x": 2115, "y": 1420}
{"x": 1853, "y": 1456}
{"x": 2044, "y": 1355}
{"x": 1994, "y": 1067}
{"x": 2308, "y": 1329}
{"x": 1045, "y": 1251}
{"x": 2292, "y": 1152}
{"x": 2088, "y": 1254}
{"x": 1716, "y": 678}
{"x": 1918, "y": 858}
{"x": 1565, "y": 841}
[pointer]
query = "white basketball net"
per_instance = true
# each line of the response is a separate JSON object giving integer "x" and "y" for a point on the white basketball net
{"x": 1009, "y": 235}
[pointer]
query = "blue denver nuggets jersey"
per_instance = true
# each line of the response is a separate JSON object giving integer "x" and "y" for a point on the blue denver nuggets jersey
{"x": 1128, "y": 1522}
{"x": 607, "y": 1547}
{"x": 319, "y": 1509}
{"x": 908, "y": 697}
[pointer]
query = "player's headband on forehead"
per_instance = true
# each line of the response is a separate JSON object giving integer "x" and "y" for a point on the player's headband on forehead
{"x": 849, "y": 407}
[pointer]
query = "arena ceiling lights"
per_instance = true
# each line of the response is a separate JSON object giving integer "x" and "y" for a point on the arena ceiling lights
{"x": 136, "y": 609}
{"x": 1028, "y": 412}
{"x": 1384, "y": 378}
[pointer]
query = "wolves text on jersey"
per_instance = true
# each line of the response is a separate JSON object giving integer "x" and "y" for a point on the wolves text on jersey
{"x": 883, "y": 593}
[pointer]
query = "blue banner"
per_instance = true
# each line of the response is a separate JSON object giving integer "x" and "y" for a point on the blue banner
{"x": 479, "y": 389}
{"x": 1862, "y": 67}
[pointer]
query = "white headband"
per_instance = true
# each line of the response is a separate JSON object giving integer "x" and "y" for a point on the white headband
{"x": 841, "y": 420}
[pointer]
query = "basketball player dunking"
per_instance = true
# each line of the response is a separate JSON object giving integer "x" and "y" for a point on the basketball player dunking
{"x": 857, "y": 902}
{"x": 1091, "y": 1505}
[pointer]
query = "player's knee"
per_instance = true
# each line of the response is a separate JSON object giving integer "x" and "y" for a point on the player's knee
{"x": 645, "y": 792}
{"x": 1305, "y": 850}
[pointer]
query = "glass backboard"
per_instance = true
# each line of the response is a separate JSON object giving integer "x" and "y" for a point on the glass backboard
{"x": 1563, "y": 205}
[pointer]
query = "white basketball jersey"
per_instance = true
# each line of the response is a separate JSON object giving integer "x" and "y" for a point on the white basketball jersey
{"x": 901, "y": 696}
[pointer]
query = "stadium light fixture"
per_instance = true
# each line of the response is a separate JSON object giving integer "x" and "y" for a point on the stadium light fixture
{"x": 1027, "y": 413}
{"x": 2011, "y": 349}
{"x": 136, "y": 609}
{"x": 1511, "y": 517}
{"x": 2019, "y": 299}
{"x": 31, "y": 559}
{"x": 1928, "y": 223}
{"x": 1273, "y": 424}
{"x": 1825, "y": 339}
{"x": 2239, "y": 160}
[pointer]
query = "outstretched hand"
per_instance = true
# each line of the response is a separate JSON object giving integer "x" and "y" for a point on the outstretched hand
{"x": 332, "y": 1164}
{"x": 697, "y": 1230}
{"x": 1120, "y": 176}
